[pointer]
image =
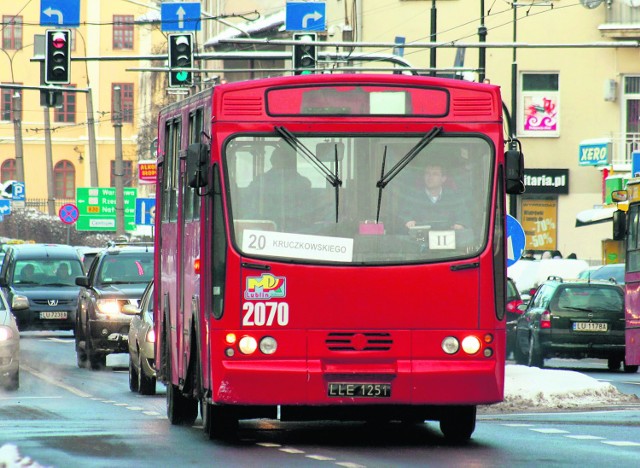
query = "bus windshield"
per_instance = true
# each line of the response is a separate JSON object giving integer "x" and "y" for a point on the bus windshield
{"x": 360, "y": 199}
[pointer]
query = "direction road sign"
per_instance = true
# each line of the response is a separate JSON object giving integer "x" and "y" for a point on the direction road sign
{"x": 68, "y": 213}
{"x": 5, "y": 207}
{"x": 306, "y": 16}
{"x": 59, "y": 12}
{"x": 97, "y": 208}
{"x": 145, "y": 211}
{"x": 180, "y": 17}
{"x": 515, "y": 240}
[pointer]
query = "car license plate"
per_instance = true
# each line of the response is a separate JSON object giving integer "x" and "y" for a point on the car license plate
{"x": 53, "y": 315}
{"x": 359, "y": 390}
{"x": 590, "y": 326}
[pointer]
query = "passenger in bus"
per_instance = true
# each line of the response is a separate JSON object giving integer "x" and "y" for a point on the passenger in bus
{"x": 281, "y": 194}
{"x": 436, "y": 205}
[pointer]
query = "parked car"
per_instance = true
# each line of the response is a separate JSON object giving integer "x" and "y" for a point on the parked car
{"x": 529, "y": 274}
{"x": 39, "y": 282}
{"x": 9, "y": 347}
{"x": 573, "y": 319}
{"x": 513, "y": 312}
{"x": 613, "y": 271}
{"x": 118, "y": 276}
{"x": 142, "y": 340}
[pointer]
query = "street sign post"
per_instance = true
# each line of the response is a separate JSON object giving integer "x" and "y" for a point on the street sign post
{"x": 515, "y": 240}
{"x": 97, "y": 208}
{"x": 180, "y": 17}
{"x": 145, "y": 211}
{"x": 68, "y": 213}
{"x": 306, "y": 16}
{"x": 60, "y": 13}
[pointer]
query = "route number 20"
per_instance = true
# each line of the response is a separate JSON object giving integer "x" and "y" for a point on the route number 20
{"x": 259, "y": 314}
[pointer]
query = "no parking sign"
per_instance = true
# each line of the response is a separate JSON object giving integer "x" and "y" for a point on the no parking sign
{"x": 68, "y": 213}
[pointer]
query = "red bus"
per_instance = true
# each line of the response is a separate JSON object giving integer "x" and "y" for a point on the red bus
{"x": 301, "y": 272}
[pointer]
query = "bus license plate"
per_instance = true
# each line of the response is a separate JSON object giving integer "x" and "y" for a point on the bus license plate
{"x": 359, "y": 390}
{"x": 53, "y": 315}
{"x": 590, "y": 326}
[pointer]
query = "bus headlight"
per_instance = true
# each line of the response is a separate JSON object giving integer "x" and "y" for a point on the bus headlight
{"x": 471, "y": 344}
{"x": 450, "y": 345}
{"x": 268, "y": 345}
{"x": 247, "y": 345}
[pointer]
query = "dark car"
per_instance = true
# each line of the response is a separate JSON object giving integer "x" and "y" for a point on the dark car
{"x": 513, "y": 312}
{"x": 612, "y": 271}
{"x": 39, "y": 282}
{"x": 9, "y": 348}
{"x": 573, "y": 319}
{"x": 117, "y": 277}
{"x": 142, "y": 340}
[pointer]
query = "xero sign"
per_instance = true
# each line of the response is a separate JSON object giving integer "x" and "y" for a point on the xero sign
{"x": 594, "y": 152}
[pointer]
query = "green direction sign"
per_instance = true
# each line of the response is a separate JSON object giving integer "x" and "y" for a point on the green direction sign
{"x": 97, "y": 208}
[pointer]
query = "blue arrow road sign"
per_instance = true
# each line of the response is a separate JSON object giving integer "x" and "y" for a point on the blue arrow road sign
{"x": 5, "y": 207}
{"x": 145, "y": 211}
{"x": 180, "y": 16}
{"x": 17, "y": 191}
{"x": 306, "y": 16}
{"x": 515, "y": 240}
{"x": 59, "y": 12}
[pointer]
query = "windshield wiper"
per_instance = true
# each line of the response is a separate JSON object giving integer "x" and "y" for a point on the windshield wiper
{"x": 299, "y": 147}
{"x": 400, "y": 165}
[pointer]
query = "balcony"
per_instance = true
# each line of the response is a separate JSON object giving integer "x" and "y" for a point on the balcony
{"x": 622, "y": 19}
{"x": 622, "y": 146}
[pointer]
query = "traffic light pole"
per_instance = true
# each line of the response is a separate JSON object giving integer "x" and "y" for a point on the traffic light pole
{"x": 117, "y": 129}
{"x": 91, "y": 127}
{"x": 17, "y": 131}
{"x": 51, "y": 202}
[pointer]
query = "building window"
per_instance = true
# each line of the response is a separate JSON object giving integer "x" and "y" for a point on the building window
{"x": 64, "y": 177}
{"x": 126, "y": 101}
{"x": 127, "y": 173}
{"x": 122, "y": 32}
{"x": 11, "y": 32}
{"x": 631, "y": 119}
{"x": 8, "y": 170}
{"x": 539, "y": 112}
{"x": 6, "y": 111}
{"x": 66, "y": 113}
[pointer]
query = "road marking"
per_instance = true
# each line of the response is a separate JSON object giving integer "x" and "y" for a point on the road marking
{"x": 320, "y": 458}
{"x": 350, "y": 465}
{"x": 31, "y": 398}
{"x": 51, "y": 381}
{"x": 290, "y": 450}
{"x": 151, "y": 413}
{"x": 61, "y": 340}
{"x": 584, "y": 437}
{"x": 121, "y": 404}
{"x": 135, "y": 408}
{"x": 631, "y": 383}
{"x": 550, "y": 431}
{"x": 268, "y": 444}
{"x": 621, "y": 443}
{"x": 518, "y": 425}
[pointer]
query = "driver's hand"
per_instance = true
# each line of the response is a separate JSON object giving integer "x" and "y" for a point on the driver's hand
{"x": 410, "y": 224}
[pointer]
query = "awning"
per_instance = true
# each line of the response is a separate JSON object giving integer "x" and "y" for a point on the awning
{"x": 249, "y": 28}
{"x": 594, "y": 216}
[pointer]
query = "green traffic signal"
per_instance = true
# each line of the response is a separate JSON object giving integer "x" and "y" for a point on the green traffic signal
{"x": 180, "y": 56}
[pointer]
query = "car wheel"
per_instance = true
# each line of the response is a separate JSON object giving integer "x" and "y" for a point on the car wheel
{"x": 96, "y": 359}
{"x": 133, "y": 376}
{"x": 518, "y": 355}
{"x": 12, "y": 382}
{"x": 629, "y": 369}
{"x": 535, "y": 355}
{"x": 459, "y": 423}
{"x": 613, "y": 364}
{"x": 146, "y": 384}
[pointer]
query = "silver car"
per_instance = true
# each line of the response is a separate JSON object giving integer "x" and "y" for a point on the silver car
{"x": 142, "y": 340}
{"x": 9, "y": 348}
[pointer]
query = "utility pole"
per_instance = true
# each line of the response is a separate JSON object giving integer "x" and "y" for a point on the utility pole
{"x": 93, "y": 158}
{"x": 482, "y": 37}
{"x": 513, "y": 202}
{"x": 434, "y": 25}
{"x": 117, "y": 129}
{"x": 51, "y": 202}
{"x": 17, "y": 131}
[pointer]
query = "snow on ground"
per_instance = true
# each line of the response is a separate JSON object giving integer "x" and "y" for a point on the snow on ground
{"x": 525, "y": 389}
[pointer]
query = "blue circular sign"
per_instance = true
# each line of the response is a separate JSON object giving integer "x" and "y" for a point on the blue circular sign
{"x": 68, "y": 213}
{"x": 515, "y": 240}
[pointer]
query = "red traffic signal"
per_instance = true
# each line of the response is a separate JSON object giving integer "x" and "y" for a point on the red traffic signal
{"x": 57, "y": 61}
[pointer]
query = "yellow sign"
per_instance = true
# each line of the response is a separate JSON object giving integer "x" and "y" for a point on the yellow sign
{"x": 539, "y": 221}
{"x": 93, "y": 209}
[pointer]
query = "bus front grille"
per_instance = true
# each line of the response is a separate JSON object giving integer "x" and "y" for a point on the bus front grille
{"x": 359, "y": 341}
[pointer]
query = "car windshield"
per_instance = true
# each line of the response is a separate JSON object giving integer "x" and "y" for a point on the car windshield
{"x": 126, "y": 268}
{"x": 47, "y": 272}
{"x": 321, "y": 203}
{"x": 589, "y": 298}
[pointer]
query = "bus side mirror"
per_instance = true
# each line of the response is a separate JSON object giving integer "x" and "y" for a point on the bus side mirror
{"x": 514, "y": 162}
{"x": 619, "y": 225}
{"x": 197, "y": 164}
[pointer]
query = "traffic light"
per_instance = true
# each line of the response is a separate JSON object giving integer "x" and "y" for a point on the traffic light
{"x": 305, "y": 53}
{"x": 57, "y": 59}
{"x": 180, "y": 56}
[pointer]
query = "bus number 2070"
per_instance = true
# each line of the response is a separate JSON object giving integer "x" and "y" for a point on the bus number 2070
{"x": 259, "y": 314}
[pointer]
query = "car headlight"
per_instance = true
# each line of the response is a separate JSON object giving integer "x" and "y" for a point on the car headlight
{"x": 6, "y": 333}
{"x": 108, "y": 306}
